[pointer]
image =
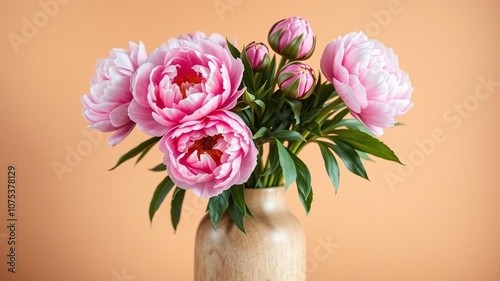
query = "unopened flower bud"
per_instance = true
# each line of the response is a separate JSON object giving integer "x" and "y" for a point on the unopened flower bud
{"x": 297, "y": 80}
{"x": 258, "y": 56}
{"x": 292, "y": 38}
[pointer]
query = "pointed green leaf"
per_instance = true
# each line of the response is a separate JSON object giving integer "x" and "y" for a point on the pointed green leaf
{"x": 143, "y": 153}
{"x": 159, "y": 168}
{"x": 234, "y": 51}
{"x": 238, "y": 195}
{"x": 273, "y": 159}
{"x": 331, "y": 165}
{"x": 332, "y": 123}
{"x": 287, "y": 164}
{"x": 217, "y": 205}
{"x": 307, "y": 202}
{"x": 350, "y": 158}
{"x": 236, "y": 215}
{"x": 261, "y": 104}
{"x": 303, "y": 182}
{"x": 159, "y": 195}
{"x": 366, "y": 143}
{"x": 146, "y": 145}
{"x": 260, "y": 133}
{"x": 248, "y": 72}
{"x": 314, "y": 128}
{"x": 285, "y": 135}
{"x": 296, "y": 106}
{"x": 176, "y": 206}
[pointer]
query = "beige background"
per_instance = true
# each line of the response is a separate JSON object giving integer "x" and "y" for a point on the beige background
{"x": 435, "y": 219}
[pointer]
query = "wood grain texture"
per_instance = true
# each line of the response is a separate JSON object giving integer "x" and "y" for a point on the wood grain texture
{"x": 273, "y": 248}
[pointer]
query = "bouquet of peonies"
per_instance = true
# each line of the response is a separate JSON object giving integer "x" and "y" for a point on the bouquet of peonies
{"x": 227, "y": 119}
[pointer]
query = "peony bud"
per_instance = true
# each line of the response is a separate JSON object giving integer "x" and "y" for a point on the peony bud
{"x": 258, "y": 56}
{"x": 292, "y": 38}
{"x": 297, "y": 80}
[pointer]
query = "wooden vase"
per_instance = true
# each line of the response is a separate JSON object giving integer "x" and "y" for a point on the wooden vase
{"x": 273, "y": 248}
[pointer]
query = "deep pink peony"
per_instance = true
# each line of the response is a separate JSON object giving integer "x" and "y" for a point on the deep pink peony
{"x": 367, "y": 77}
{"x": 210, "y": 155}
{"x": 106, "y": 106}
{"x": 184, "y": 81}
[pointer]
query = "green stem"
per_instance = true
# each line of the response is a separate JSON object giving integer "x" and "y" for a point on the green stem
{"x": 296, "y": 146}
{"x": 327, "y": 110}
{"x": 282, "y": 63}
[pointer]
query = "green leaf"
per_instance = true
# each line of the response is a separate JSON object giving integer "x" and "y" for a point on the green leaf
{"x": 248, "y": 72}
{"x": 236, "y": 215}
{"x": 314, "y": 128}
{"x": 366, "y": 143}
{"x": 274, "y": 160}
{"x": 285, "y": 135}
{"x": 354, "y": 125}
{"x": 296, "y": 106}
{"x": 261, "y": 104}
{"x": 303, "y": 182}
{"x": 307, "y": 202}
{"x": 217, "y": 205}
{"x": 248, "y": 213}
{"x": 287, "y": 164}
{"x": 234, "y": 51}
{"x": 159, "y": 168}
{"x": 146, "y": 145}
{"x": 176, "y": 206}
{"x": 331, "y": 165}
{"x": 363, "y": 155}
{"x": 238, "y": 195}
{"x": 159, "y": 195}
{"x": 260, "y": 133}
{"x": 332, "y": 123}
{"x": 350, "y": 158}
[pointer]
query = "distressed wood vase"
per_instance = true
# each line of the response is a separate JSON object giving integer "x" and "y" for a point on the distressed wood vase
{"x": 273, "y": 248}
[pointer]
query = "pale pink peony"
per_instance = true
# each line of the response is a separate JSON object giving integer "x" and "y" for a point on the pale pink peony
{"x": 106, "y": 106}
{"x": 210, "y": 155}
{"x": 199, "y": 36}
{"x": 367, "y": 77}
{"x": 184, "y": 81}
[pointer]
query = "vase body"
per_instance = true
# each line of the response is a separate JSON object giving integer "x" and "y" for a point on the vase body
{"x": 273, "y": 248}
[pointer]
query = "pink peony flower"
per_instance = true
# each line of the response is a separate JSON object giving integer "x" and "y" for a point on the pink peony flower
{"x": 367, "y": 77}
{"x": 106, "y": 106}
{"x": 210, "y": 155}
{"x": 198, "y": 36}
{"x": 297, "y": 80}
{"x": 184, "y": 81}
{"x": 292, "y": 38}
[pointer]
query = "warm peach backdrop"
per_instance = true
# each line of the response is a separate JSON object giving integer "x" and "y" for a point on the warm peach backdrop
{"x": 435, "y": 219}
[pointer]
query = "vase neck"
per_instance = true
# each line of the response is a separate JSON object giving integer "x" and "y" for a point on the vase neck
{"x": 265, "y": 198}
